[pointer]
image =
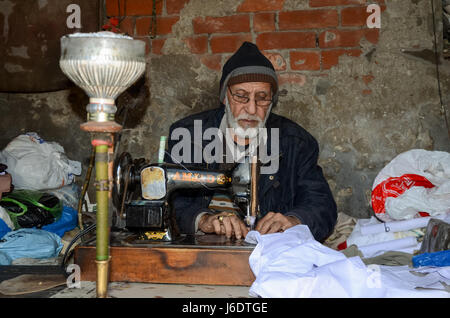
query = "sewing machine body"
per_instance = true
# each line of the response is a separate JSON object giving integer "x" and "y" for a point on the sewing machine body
{"x": 142, "y": 193}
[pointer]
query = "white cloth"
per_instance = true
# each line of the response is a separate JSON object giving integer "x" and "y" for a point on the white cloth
{"x": 292, "y": 264}
{"x": 358, "y": 239}
{"x": 406, "y": 244}
{"x": 399, "y": 226}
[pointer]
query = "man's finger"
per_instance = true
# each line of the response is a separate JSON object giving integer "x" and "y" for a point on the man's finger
{"x": 235, "y": 222}
{"x": 262, "y": 223}
{"x": 244, "y": 229}
{"x": 228, "y": 227}
{"x": 275, "y": 227}
{"x": 265, "y": 227}
{"x": 216, "y": 224}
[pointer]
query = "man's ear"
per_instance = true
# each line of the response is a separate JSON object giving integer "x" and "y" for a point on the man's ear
{"x": 225, "y": 98}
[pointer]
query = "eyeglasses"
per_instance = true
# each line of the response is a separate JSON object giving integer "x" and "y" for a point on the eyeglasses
{"x": 242, "y": 99}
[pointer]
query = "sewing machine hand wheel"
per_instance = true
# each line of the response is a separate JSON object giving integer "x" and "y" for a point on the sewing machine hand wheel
{"x": 121, "y": 179}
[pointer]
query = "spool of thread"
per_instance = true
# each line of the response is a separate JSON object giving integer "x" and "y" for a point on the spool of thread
{"x": 162, "y": 148}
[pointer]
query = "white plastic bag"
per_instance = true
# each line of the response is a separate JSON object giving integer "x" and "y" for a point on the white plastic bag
{"x": 434, "y": 201}
{"x": 433, "y": 165}
{"x": 35, "y": 164}
{"x": 413, "y": 182}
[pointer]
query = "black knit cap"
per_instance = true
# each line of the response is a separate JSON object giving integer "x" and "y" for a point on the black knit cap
{"x": 248, "y": 64}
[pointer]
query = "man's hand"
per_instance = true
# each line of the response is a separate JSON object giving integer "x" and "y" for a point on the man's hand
{"x": 223, "y": 223}
{"x": 274, "y": 222}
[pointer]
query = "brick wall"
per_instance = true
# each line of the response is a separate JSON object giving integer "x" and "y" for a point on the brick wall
{"x": 310, "y": 39}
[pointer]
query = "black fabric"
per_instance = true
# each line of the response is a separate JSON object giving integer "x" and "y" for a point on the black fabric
{"x": 247, "y": 55}
{"x": 298, "y": 188}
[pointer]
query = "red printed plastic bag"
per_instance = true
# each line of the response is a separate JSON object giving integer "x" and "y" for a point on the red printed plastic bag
{"x": 394, "y": 187}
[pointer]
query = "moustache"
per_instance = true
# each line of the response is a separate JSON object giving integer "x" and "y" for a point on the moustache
{"x": 249, "y": 117}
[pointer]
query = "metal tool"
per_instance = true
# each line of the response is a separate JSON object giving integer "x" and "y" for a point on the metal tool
{"x": 253, "y": 208}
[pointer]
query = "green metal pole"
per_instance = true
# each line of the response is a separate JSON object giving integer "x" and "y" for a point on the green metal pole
{"x": 102, "y": 243}
{"x": 101, "y": 167}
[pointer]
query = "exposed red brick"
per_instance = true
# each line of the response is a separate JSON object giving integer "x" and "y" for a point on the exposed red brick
{"x": 367, "y": 91}
{"x": 197, "y": 44}
{"x": 212, "y": 61}
{"x": 228, "y": 43}
{"x": 260, "y": 5}
{"x": 127, "y": 26}
{"x": 264, "y": 22}
{"x": 286, "y": 40}
{"x": 142, "y": 7}
{"x": 338, "y": 38}
{"x": 277, "y": 60}
{"x": 309, "y": 61}
{"x": 331, "y": 58}
{"x": 372, "y": 35}
{"x": 175, "y": 6}
{"x": 356, "y": 16}
{"x": 291, "y": 78}
{"x": 228, "y": 24}
{"x": 112, "y": 8}
{"x": 307, "y": 19}
{"x": 143, "y": 26}
{"x": 333, "y": 3}
{"x": 163, "y": 25}
{"x": 347, "y": 38}
{"x": 157, "y": 45}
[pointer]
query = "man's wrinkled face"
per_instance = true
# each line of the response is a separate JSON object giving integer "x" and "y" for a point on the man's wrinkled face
{"x": 248, "y": 103}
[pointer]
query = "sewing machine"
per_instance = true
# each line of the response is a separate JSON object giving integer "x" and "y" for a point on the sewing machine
{"x": 142, "y": 193}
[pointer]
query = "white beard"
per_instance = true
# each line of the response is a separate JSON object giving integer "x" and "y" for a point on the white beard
{"x": 250, "y": 132}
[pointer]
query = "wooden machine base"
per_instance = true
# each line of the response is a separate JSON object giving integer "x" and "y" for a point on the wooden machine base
{"x": 172, "y": 263}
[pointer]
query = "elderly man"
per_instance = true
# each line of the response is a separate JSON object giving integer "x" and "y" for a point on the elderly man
{"x": 297, "y": 193}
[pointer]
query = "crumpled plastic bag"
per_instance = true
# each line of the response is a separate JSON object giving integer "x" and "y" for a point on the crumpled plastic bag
{"x": 441, "y": 258}
{"x": 67, "y": 222}
{"x": 30, "y": 243}
{"x": 415, "y": 183}
{"x": 35, "y": 164}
